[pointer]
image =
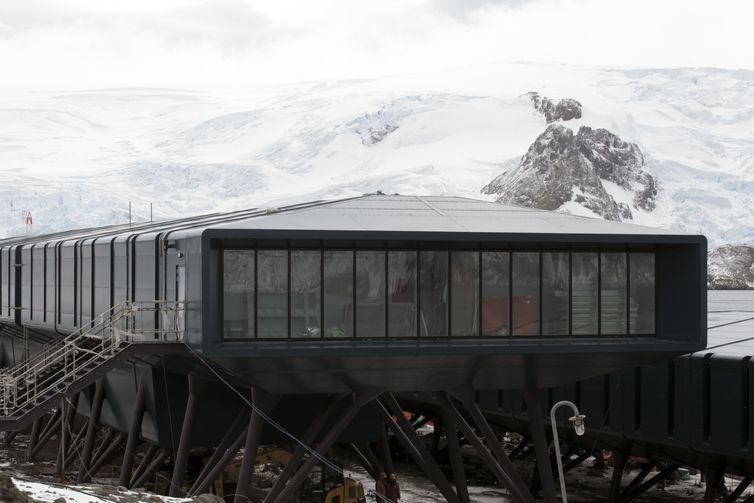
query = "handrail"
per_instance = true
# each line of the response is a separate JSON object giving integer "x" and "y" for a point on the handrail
{"x": 60, "y": 364}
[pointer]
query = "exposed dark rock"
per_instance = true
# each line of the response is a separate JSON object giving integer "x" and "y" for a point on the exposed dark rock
{"x": 731, "y": 267}
{"x": 561, "y": 166}
{"x": 9, "y": 493}
{"x": 555, "y": 110}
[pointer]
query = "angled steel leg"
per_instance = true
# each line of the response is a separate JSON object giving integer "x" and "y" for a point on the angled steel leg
{"x": 738, "y": 491}
{"x": 263, "y": 403}
{"x": 714, "y": 475}
{"x": 366, "y": 449}
{"x": 537, "y": 427}
{"x": 662, "y": 474}
{"x": 387, "y": 458}
{"x": 456, "y": 463}
{"x": 36, "y": 427}
{"x": 620, "y": 457}
{"x": 153, "y": 467}
{"x": 196, "y": 387}
{"x": 133, "y": 435}
{"x": 308, "y": 439}
{"x": 107, "y": 453}
{"x": 360, "y": 399}
{"x": 91, "y": 430}
{"x": 233, "y": 432}
{"x": 52, "y": 427}
{"x": 362, "y": 459}
{"x": 430, "y": 467}
{"x": 145, "y": 461}
{"x": 506, "y": 475}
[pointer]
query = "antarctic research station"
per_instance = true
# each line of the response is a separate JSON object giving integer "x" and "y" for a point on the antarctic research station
{"x": 178, "y": 353}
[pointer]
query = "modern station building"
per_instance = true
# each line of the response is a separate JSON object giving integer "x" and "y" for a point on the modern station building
{"x": 391, "y": 294}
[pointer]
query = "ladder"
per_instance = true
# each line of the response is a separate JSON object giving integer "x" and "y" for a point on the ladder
{"x": 30, "y": 388}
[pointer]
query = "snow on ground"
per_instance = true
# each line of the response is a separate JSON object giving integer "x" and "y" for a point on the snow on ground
{"x": 49, "y": 493}
{"x": 76, "y": 158}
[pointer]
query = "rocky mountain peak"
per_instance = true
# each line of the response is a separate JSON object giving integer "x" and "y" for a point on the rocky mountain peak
{"x": 555, "y": 110}
{"x": 593, "y": 168}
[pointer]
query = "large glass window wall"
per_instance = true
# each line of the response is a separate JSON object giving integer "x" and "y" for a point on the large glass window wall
{"x": 370, "y": 294}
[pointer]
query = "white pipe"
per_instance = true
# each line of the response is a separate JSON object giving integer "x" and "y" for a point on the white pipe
{"x": 556, "y": 441}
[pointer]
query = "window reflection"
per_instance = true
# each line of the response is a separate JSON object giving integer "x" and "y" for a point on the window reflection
{"x": 613, "y": 294}
{"x": 525, "y": 293}
{"x": 642, "y": 288}
{"x": 584, "y": 295}
{"x": 464, "y": 293}
{"x": 272, "y": 295}
{"x": 402, "y": 294}
{"x": 338, "y": 293}
{"x": 238, "y": 294}
{"x": 370, "y": 294}
{"x": 495, "y": 293}
{"x": 305, "y": 293}
{"x": 555, "y": 270}
{"x": 433, "y": 294}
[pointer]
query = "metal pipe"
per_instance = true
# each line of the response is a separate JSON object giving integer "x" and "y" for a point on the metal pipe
{"x": 107, "y": 454}
{"x": 33, "y": 437}
{"x": 387, "y": 458}
{"x": 203, "y": 484}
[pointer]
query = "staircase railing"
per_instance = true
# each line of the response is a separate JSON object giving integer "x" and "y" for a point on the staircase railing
{"x": 60, "y": 364}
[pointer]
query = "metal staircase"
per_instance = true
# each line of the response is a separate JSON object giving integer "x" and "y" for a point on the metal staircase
{"x": 30, "y": 389}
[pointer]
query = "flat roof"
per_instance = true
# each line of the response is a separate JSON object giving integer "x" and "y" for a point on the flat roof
{"x": 434, "y": 214}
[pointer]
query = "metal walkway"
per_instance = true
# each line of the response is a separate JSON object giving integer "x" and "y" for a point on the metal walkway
{"x": 30, "y": 389}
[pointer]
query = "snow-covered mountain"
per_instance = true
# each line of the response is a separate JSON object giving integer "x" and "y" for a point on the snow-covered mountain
{"x": 76, "y": 158}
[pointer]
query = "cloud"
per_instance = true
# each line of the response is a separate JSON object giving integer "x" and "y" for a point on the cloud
{"x": 88, "y": 43}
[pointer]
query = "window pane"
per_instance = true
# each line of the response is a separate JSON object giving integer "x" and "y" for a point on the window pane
{"x": 338, "y": 290}
{"x": 272, "y": 296}
{"x": 370, "y": 294}
{"x": 495, "y": 293}
{"x": 555, "y": 293}
{"x": 238, "y": 294}
{"x": 305, "y": 293}
{"x": 402, "y": 294}
{"x": 613, "y": 293}
{"x": 584, "y": 294}
{"x": 464, "y": 298}
{"x": 433, "y": 287}
{"x": 642, "y": 316}
{"x": 526, "y": 293}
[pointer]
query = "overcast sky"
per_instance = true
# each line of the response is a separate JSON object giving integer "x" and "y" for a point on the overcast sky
{"x": 203, "y": 43}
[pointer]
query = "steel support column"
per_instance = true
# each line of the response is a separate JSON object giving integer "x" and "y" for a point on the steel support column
{"x": 619, "y": 463}
{"x": 638, "y": 479}
{"x": 385, "y": 454}
{"x": 366, "y": 449}
{"x": 263, "y": 403}
{"x": 362, "y": 459}
{"x": 360, "y": 399}
{"x": 497, "y": 449}
{"x": 196, "y": 387}
{"x": 210, "y": 469}
{"x": 456, "y": 462}
{"x": 713, "y": 475}
{"x": 36, "y": 427}
{"x": 86, "y": 455}
{"x": 537, "y": 427}
{"x": 153, "y": 467}
{"x": 628, "y": 496}
{"x": 133, "y": 435}
{"x": 738, "y": 491}
{"x": 404, "y": 432}
{"x": 145, "y": 461}
{"x": 50, "y": 429}
{"x": 107, "y": 454}
{"x": 298, "y": 453}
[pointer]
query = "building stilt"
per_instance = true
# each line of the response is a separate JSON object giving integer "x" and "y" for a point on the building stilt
{"x": 262, "y": 404}
{"x": 91, "y": 430}
{"x": 134, "y": 432}
{"x": 196, "y": 388}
